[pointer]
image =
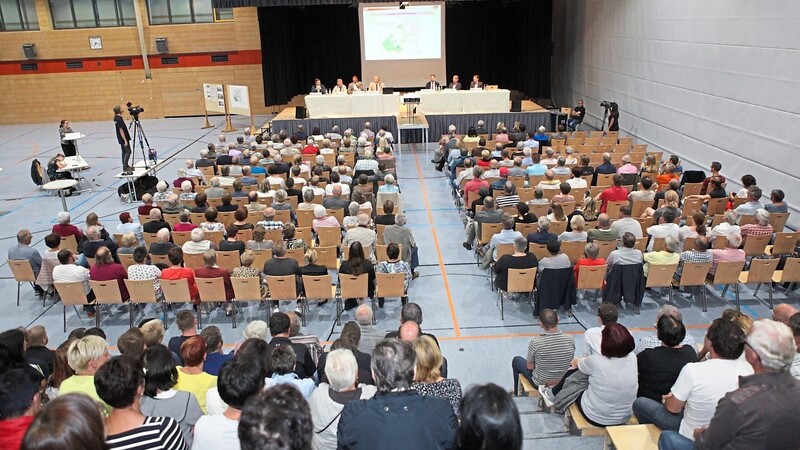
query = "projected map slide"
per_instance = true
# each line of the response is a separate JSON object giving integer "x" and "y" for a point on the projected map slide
{"x": 396, "y": 34}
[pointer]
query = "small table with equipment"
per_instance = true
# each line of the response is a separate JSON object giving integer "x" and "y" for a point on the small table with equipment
{"x": 60, "y": 186}
{"x": 75, "y": 165}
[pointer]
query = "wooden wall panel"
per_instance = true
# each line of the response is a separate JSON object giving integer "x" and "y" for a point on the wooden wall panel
{"x": 90, "y": 95}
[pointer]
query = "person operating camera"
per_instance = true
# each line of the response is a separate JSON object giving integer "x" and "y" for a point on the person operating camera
{"x": 124, "y": 139}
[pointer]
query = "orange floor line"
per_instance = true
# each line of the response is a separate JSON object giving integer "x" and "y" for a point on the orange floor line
{"x": 436, "y": 245}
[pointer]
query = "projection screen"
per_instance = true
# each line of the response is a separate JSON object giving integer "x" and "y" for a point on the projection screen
{"x": 402, "y": 46}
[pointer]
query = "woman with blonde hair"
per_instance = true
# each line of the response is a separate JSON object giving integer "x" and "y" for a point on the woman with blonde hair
{"x": 671, "y": 202}
{"x": 428, "y": 379}
{"x": 557, "y": 213}
{"x": 578, "y": 233}
{"x": 92, "y": 220}
{"x": 129, "y": 243}
{"x": 649, "y": 165}
{"x": 256, "y": 329}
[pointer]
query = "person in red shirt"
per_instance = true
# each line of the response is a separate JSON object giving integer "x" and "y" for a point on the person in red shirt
{"x": 20, "y": 402}
{"x": 63, "y": 228}
{"x": 106, "y": 269}
{"x": 144, "y": 210}
{"x": 212, "y": 270}
{"x": 310, "y": 149}
{"x": 616, "y": 193}
{"x": 178, "y": 272}
{"x": 590, "y": 258}
{"x": 475, "y": 183}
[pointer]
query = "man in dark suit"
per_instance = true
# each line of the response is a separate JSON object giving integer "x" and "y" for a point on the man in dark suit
{"x": 207, "y": 158}
{"x": 455, "y": 84}
{"x": 476, "y": 82}
{"x": 318, "y": 87}
{"x": 433, "y": 84}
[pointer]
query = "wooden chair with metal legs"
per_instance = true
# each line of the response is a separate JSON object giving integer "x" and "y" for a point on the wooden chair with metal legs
{"x": 297, "y": 254}
{"x": 329, "y": 236}
{"x": 351, "y": 286}
{"x": 247, "y": 289}
{"x": 694, "y": 275}
{"x": 380, "y": 252}
{"x": 754, "y": 246}
{"x": 784, "y": 244}
{"x": 229, "y": 260}
{"x": 660, "y": 276}
{"x": 160, "y": 259}
{"x": 789, "y": 274}
{"x": 727, "y": 273}
{"x": 391, "y": 285}
{"x": 193, "y": 260}
{"x": 126, "y": 259}
{"x": 319, "y": 288}
{"x": 69, "y": 243}
{"x": 760, "y": 271}
{"x": 641, "y": 244}
{"x": 73, "y": 294}
{"x": 606, "y": 247}
{"x": 181, "y": 237}
{"x": 23, "y": 273}
{"x": 573, "y": 249}
{"x": 591, "y": 277}
{"x": 212, "y": 290}
{"x": 281, "y": 288}
{"x": 326, "y": 256}
{"x": 520, "y": 281}
{"x": 175, "y": 292}
{"x": 260, "y": 257}
{"x": 539, "y": 250}
{"x": 142, "y": 293}
{"x": 500, "y": 251}
{"x": 107, "y": 293}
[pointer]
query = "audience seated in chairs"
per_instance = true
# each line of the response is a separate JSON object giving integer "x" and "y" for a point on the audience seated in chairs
{"x": 549, "y": 354}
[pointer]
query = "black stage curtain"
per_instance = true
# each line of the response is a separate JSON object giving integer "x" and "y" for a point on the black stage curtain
{"x": 507, "y": 43}
{"x": 300, "y": 44}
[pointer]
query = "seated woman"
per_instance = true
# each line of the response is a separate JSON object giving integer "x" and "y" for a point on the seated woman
{"x": 292, "y": 242}
{"x": 211, "y": 223}
{"x": 161, "y": 399}
{"x": 591, "y": 257}
{"x": 191, "y": 377}
{"x": 524, "y": 215}
{"x": 141, "y": 270}
{"x": 472, "y": 135}
{"x": 85, "y": 356}
{"x": 578, "y": 233}
{"x": 120, "y": 383}
{"x": 489, "y": 420}
{"x": 557, "y": 214}
{"x": 53, "y": 165}
{"x": 777, "y": 205}
{"x": 428, "y": 379}
{"x": 231, "y": 242}
{"x": 394, "y": 265}
{"x": 240, "y": 221}
{"x": 486, "y": 158}
{"x": 258, "y": 242}
{"x": 161, "y": 192}
{"x": 248, "y": 271}
{"x": 129, "y": 243}
{"x": 185, "y": 223}
{"x": 649, "y": 165}
{"x": 357, "y": 264}
{"x": 538, "y": 197}
{"x": 672, "y": 202}
{"x": 613, "y": 379}
{"x": 187, "y": 191}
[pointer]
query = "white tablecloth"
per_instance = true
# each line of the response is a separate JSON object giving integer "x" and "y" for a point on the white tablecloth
{"x": 464, "y": 102}
{"x": 334, "y": 106}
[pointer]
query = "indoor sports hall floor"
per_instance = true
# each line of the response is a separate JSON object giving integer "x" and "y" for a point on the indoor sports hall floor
{"x": 458, "y": 305}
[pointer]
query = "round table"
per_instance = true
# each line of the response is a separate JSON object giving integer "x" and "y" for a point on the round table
{"x": 60, "y": 186}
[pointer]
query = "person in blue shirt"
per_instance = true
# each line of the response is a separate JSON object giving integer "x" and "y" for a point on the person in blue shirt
{"x": 214, "y": 356}
{"x": 536, "y": 168}
{"x": 541, "y": 135}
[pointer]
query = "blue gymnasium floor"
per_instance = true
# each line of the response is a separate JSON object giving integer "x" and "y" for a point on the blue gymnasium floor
{"x": 458, "y": 305}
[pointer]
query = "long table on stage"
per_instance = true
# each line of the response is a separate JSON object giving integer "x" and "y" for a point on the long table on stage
{"x": 450, "y": 101}
{"x": 355, "y": 105}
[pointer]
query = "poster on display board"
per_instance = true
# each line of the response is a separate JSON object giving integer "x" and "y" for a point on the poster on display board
{"x": 238, "y": 100}
{"x": 214, "y": 97}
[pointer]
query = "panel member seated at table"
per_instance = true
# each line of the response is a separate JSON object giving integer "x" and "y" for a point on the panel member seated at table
{"x": 339, "y": 89}
{"x": 355, "y": 85}
{"x": 476, "y": 82}
{"x": 433, "y": 84}
{"x": 318, "y": 87}
{"x": 376, "y": 85}
{"x": 455, "y": 84}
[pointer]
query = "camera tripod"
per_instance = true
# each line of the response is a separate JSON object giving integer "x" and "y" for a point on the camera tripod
{"x": 139, "y": 137}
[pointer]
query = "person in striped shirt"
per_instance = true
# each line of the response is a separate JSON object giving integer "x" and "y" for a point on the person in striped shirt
{"x": 120, "y": 383}
{"x": 549, "y": 354}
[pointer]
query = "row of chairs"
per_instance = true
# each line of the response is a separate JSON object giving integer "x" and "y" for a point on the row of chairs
{"x": 212, "y": 290}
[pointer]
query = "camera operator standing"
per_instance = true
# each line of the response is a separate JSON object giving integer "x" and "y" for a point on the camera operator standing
{"x": 124, "y": 139}
{"x": 613, "y": 117}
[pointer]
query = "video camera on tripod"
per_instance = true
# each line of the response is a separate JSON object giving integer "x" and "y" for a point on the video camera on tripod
{"x": 139, "y": 136}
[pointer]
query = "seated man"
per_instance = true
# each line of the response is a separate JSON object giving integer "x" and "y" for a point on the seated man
{"x": 68, "y": 271}
{"x": 506, "y": 236}
{"x": 549, "y": 354}
{"x": 604, "y": 232}
{"x": 95, "y": 241}
{"x": 284, "y": 361}
{"x": 280, "y": 266}
{"x": 660, "y": 366}
{"x": 490, "y": 214}
{"x": 520, "y": 259}
{"x": 666, "y": 228}
{"x": 24, "y": 251}
{"x": 556, "y": 260}
{"x": 616, "y": 193}
{"x": 693, "y": 398}
{"x": 156, "y": 222}
{"x": 509, "y": 197}
{"x": 549, "y": 181}
{"x": 210, "y": 269}
{"x": 433, "y": 424}
{"x": 753, "y": 203}
{"x": 279, "y": 327}
{"x": 731, "y": 252}
{"x": 699, "y": 254}
{"x": 105, "y": 269}
{"x": 762, "y": 226}
{"x": 542, "y": 235}
{"x": 626, "y": 254}
{"x": 625, "y": 223}
{"x": 653, "y": 341}
{"x": 669, "y": 255}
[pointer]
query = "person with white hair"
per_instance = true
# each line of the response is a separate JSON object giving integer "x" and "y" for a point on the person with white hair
{"x": 389, "y": 187}
{"x": 480, "y": 128}
{"x": 370, "y": 334}
{"x": 198, "y": 243}
{"x": 191, "y": 171}
{"x": 208, "y": 158}
{"x": 161, "y": 192}
{"x": 627, "y": 167}
{"x": 328, "y": 400}
{"x": 541, "y": 135}
{"x": 64, "y": 228}
{"x": 367, "y": 164}
{"x": 762, "y": 227}
{"x": 731, "y": 252}
{"x": 727, "y": 228}
{"x": 363, "y": 234}
{"x": 763, "y": 411}
{"x": 669, "y": 255}
{"x": 323, "y": 219}
{"x": 186, "y": 191}
{"x": 85, "y": 356}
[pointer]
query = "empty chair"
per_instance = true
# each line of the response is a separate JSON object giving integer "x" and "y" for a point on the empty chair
{"x": 760, "y": 271}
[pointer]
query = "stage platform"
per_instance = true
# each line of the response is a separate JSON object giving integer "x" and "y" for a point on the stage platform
{"x": 532, "y": 115}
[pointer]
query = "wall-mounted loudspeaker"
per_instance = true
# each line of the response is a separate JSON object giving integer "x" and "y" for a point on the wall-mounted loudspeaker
{"x": 29, "y": 50}
{"x": 161, "y": 45}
